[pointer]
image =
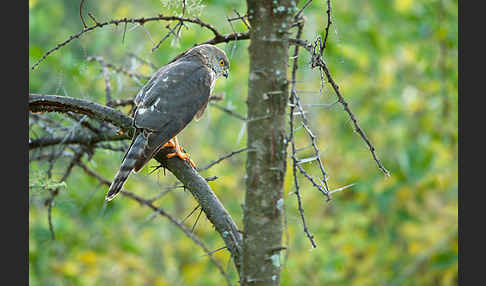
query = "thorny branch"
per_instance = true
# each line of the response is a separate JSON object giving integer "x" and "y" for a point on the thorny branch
{"x": 316, "y": 50}
{"x": 160, "y": 211}
{"x": 293, "y": 100}
{"x": 320, "y": 62}
{"x": 197, "y": 185}
{"x": 218, "y": 37}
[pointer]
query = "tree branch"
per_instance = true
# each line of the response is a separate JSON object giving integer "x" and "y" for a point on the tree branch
{"x": 317, "y": 61}
{"x": 75, "y": 139}
{"x": 160, "y": 211}
{"x": 63, "y": 104}
{"x": 197, "y": 185}
{"x": 140, "y": 21}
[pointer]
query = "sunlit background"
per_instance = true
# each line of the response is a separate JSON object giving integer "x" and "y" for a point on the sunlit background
{"x": 395, "y": 63}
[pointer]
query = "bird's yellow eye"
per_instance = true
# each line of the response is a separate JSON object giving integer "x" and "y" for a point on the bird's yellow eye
{"x": 221, "y": 62}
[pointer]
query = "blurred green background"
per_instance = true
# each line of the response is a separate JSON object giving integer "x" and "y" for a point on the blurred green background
{"x": 395, "y": 63}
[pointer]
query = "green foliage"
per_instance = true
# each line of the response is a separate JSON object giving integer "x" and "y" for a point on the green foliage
{"x": 395, "y": 63}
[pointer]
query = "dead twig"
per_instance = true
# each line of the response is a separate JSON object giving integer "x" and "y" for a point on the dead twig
{"x": 293, "y": 99}
{"x": 140, "y": 21}
{"x": 222, "y": 158}
{"x": 81, "y": 14}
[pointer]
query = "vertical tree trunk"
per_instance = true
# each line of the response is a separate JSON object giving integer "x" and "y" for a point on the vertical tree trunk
{"x": 266, "y": 164}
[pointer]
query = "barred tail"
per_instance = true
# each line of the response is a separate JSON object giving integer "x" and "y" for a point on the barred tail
{"x": 128, "y": 164}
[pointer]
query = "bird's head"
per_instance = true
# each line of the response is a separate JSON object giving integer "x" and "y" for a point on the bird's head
{"x": 216, "y": 59}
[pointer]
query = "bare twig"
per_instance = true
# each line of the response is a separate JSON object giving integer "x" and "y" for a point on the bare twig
{"x": 222, "y": 158}
{"x": 183, "y": 7}
{"x": 298, "y": 14}
{"x": 329, "y": 22}
{"x": 81, "y": 14}
{"x": 140, "y": 21}
{"x": 317, "y": 61}
{"x": 227, "y": 38}
{"x": 171, "y": 31}
{"x": 242, "y": 18}
{"x": 293, "y": 100}
{"x": 305, "y": 124}
{"x": 358, "y": 129}
{"x": 124, "y": 32}
{"x": 216, "y": 250}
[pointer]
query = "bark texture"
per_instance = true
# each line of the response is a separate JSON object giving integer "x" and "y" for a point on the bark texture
{"x": 266, "y": 164}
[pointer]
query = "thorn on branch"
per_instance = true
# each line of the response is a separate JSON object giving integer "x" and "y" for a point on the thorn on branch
{"x": 93, "y": 18}
{"x": 141, "y": 21}
{"x": 81, "y": 13}
{"x": 293, "y": 104}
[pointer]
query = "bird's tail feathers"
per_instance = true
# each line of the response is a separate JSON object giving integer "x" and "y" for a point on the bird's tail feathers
{"x": 128, "y": 164}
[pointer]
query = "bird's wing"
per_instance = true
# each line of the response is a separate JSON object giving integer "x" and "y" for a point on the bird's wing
{"x": 170, "y": 101}
{"x": 143, "y": 91}
{"x": 174, "y": 96}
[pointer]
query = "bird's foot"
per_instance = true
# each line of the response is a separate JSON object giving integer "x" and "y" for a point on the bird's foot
{"x": 179, "y": 151}
{"x": 169, "y": 144}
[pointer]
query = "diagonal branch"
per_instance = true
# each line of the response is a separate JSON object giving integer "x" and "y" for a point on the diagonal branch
{"x": 357, "y": 128}
{"x": 317, "y": 61}
{"x": 222, "y": 158}
{"x": 160, "y": 211}
{"x": 195, "y": 183}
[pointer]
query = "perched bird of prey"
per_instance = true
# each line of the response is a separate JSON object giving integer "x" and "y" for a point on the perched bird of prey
{"x": 176, "y": 93}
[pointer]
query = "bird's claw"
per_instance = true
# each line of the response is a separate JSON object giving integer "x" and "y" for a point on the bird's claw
{"x": 183, "y": 156}
{"x": 179, "y": 151}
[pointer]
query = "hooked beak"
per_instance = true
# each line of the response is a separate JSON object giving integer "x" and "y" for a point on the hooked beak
{"x": 225, "y": 73}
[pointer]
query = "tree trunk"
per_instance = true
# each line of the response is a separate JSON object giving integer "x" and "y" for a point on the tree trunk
{"x": 266, "y": 163}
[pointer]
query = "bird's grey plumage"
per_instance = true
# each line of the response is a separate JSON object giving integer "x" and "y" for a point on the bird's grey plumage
{"x": 176, "y": 93}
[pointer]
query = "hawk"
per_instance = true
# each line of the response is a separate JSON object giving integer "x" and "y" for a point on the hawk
{"x": 175, "y": 94}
